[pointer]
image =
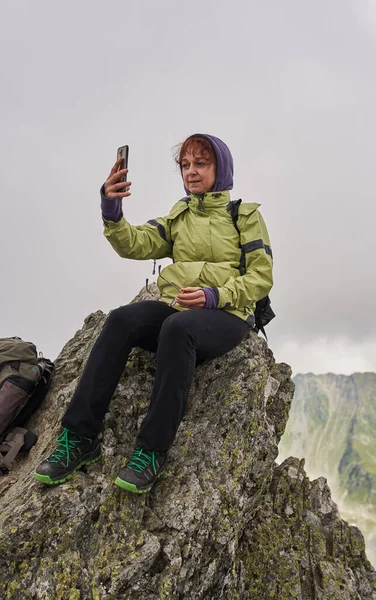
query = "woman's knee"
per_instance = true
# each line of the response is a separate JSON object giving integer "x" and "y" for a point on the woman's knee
{"x": 132, "y": 317}
{"x": 175, "y": 326}
{"x": 118, "y": 318}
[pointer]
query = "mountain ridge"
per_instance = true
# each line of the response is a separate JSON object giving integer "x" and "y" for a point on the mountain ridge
{"x": 331, "y": 424}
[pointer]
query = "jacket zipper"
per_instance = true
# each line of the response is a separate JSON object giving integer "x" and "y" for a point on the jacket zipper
{"x": 200, "y": 202}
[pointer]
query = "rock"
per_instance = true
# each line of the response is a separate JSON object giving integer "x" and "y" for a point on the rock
{"x": 296, "y": 546}
{"x": 224, "y": 521}
{"x": 332, "y": 423}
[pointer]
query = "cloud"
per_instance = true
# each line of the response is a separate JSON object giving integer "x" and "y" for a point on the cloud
{"x": 365, "y": 12}
{"x": 323, "y": 355}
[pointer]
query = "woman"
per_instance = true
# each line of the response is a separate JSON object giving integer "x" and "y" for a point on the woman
{"x": 206, "y": 309}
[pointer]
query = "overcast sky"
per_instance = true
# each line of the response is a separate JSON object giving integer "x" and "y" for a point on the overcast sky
{"x": 289, "y": 86}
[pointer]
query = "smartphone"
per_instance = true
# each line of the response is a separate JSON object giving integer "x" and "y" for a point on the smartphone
{"x": 123, "y": 153}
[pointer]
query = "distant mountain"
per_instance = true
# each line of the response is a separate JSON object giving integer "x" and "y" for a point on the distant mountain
{"x": 332, "y": 424}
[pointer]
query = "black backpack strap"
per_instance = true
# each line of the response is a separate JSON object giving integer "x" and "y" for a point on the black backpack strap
{"x": 262, "y": 329}
{"x": 263, "y": 312}
{"x": 233, "y": 209}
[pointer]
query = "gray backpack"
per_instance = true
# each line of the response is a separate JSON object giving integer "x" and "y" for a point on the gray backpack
{"x": 24, "y": 381}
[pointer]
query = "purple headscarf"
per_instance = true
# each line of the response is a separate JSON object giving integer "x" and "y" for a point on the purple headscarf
{"x": 225, "y": 165}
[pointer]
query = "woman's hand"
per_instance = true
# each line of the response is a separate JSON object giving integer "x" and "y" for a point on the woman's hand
{"x": 114, "y": 188}
{"x": 192, "y": 297}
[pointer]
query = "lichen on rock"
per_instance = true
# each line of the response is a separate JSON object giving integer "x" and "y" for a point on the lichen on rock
{"x": 224, "y": 521}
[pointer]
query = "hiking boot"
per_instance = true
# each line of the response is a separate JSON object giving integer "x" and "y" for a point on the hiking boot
{"x": 141, "y": 471}
{"x": 72, "y": 452}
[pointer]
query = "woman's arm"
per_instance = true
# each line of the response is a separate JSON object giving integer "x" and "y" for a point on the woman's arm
{"x": 246, "y": 290}
{"x": 140, "y": 242}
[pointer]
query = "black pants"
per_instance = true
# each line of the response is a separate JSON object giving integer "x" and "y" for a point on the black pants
{"x": 178, "y": 338}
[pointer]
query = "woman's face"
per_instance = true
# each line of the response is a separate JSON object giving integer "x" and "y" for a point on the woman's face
{"x": 198, "y": 173}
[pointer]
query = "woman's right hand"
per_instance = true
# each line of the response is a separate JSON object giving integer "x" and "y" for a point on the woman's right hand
{"x": 113, "y": 187}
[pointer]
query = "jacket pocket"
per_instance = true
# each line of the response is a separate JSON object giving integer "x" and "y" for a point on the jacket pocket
{"x": 216, "y": 274}
{"x": 181, "y": 274}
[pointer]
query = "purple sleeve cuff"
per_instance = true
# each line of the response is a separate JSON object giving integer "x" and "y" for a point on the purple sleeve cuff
{"x": 211, "y": 297}
{"x": 112, "y": 210}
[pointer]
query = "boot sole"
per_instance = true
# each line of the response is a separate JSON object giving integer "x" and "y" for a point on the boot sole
{"x": 46, "y": 479}
{"x": 130, "y": 487}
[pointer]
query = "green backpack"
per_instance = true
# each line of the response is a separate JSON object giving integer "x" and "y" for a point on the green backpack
{"x": 25, "y": 377}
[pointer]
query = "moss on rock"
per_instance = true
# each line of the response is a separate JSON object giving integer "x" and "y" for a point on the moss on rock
{"x": 223, "y": 522}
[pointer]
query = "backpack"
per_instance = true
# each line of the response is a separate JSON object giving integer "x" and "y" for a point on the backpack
{"x": 25, "y": 378}
{"x": 263, "y": 311}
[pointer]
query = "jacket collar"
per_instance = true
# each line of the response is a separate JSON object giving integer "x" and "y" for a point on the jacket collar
{"x": 209, "y": 200}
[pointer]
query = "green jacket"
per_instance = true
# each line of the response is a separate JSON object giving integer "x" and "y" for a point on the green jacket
{"x": 200, "y": 237}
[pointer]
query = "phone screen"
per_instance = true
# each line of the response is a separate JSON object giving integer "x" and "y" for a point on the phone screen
{"x": 123, "y": 153}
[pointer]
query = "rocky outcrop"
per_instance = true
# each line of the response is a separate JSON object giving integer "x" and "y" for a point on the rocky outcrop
{"x": 332, "y": 424}
{"x": 224, "y": 521}
{"x": 296, "y": 546}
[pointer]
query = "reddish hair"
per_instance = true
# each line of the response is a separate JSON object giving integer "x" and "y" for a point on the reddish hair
{"x": 198, "y": 145}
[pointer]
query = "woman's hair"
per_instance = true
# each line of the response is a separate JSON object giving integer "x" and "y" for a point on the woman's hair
{"x": 198, "y": 146}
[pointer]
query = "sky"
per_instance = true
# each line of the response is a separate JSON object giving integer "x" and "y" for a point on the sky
{"x": 289, "y": 86}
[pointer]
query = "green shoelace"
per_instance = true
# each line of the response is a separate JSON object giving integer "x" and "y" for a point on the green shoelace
{"x": 65, "y": 445}
{"x": 141, "y": 459}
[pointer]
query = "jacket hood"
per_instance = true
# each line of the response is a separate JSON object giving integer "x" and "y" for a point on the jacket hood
{"x": 225, "y": 164}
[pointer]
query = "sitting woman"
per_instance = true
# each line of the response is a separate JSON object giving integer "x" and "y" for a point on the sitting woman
{"x": 208, "y": 297}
